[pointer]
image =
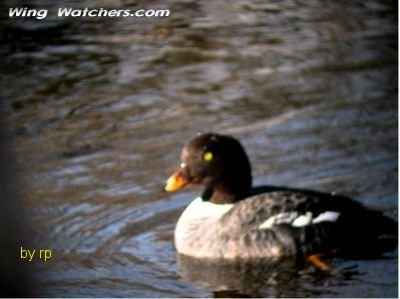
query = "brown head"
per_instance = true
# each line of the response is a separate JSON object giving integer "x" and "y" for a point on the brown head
{"x": 219, "y": 163}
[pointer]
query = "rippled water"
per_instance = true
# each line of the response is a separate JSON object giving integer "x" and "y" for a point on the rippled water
{"x": 101, "y": 107}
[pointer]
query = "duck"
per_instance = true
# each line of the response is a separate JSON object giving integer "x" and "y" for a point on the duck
{"x": 233, "y": 220}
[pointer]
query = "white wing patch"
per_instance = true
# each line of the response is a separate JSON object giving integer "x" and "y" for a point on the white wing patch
{"x": 303, "y": 220}
{"x": 298, "y": 220}
{"x": 286, "y": 217}
{"x": 329, "y": 216}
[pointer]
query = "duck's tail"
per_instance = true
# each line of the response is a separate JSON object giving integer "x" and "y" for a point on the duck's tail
{"x": 374, "y": 234}
{"x": 386, "y": 234}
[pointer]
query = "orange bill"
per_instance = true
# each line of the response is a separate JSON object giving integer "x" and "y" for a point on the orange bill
{"x": 176, "y": 181}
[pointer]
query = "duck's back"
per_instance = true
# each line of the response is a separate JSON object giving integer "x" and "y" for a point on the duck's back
{"x": 304, "y": 222}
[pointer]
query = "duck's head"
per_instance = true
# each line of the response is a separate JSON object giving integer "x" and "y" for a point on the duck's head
{"x": 219, "y": 163}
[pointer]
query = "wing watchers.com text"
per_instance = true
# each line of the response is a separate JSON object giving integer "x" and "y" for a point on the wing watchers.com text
{"x": 25, "y": 12}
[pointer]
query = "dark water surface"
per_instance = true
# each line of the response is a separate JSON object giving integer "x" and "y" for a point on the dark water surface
{"x": 100, "y": 108}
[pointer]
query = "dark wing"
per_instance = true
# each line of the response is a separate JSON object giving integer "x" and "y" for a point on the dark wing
{"x": 286, "y": 207}
{"x": 317, "y": 222}
{"x": 255, "y": 210}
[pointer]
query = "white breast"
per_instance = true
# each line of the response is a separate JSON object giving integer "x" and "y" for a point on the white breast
{"x": 196, "y": 222}
{"x": 204, "y": 209}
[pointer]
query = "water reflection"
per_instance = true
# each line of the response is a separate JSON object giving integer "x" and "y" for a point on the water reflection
{"x": 238, "y": 278}
{"x": 264, "y": 278}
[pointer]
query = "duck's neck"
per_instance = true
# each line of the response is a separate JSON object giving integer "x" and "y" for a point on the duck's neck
{"x": 224, "y": 194}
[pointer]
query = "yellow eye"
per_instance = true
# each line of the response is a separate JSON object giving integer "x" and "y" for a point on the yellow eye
{"x": 208, "y": 156}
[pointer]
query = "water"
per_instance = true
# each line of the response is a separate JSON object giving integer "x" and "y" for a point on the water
{"x": 100, "y": 108}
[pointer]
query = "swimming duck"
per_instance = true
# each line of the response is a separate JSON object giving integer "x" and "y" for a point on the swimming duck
{"x": 232, "y": 220}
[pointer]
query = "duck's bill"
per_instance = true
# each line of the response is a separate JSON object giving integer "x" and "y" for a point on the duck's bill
{"x": 176, "y": 181}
